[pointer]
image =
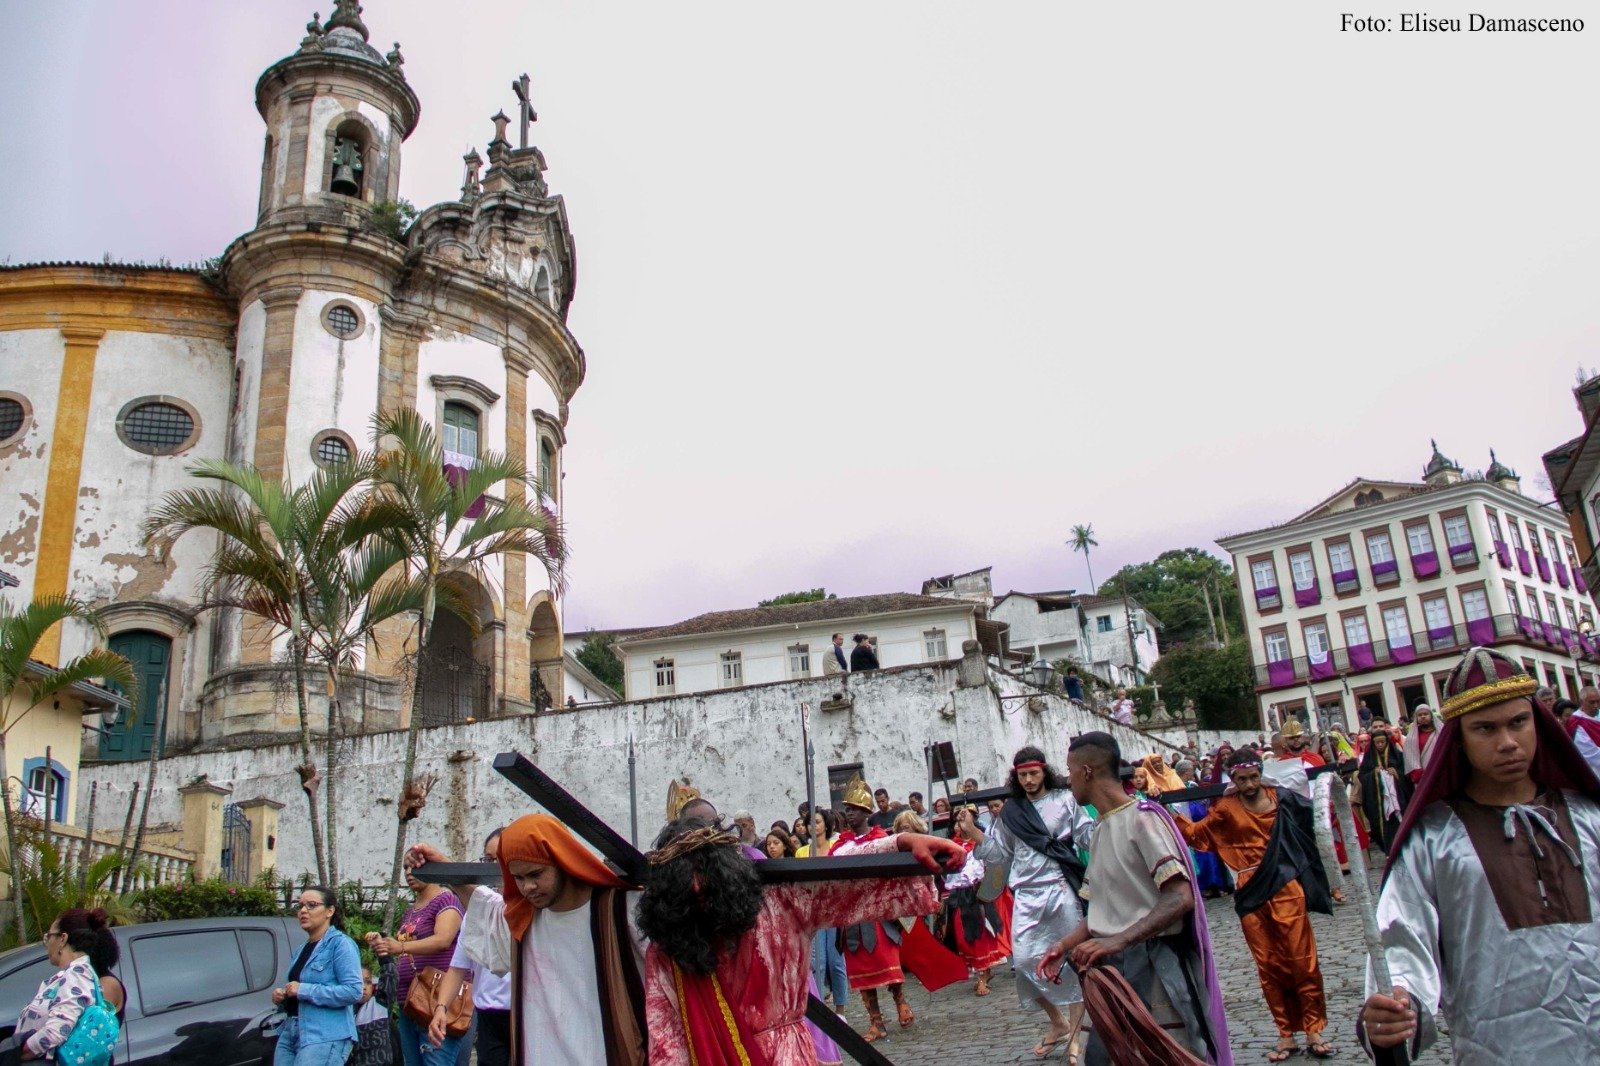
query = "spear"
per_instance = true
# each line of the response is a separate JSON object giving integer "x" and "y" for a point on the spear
{"x": 1368, "y": 906}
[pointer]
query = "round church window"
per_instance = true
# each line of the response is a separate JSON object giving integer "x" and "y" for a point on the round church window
{"x": 156, "y": 426}
{"x": 12, "y": 416}
{"x": 341, "y": 320}
{"x": 330, "y": 447}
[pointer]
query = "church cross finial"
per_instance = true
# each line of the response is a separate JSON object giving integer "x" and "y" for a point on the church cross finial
{"x": 527, "y": 115}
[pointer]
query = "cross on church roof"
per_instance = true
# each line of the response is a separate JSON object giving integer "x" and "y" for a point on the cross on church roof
{"x": 527, "y": 114}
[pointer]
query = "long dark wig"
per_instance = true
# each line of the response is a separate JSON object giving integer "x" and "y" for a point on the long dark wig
{"x": 700, "y": 903}
{"x": 1052, "y": 779}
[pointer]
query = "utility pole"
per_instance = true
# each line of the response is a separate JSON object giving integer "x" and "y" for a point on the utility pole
{"x": 1205, "y": 591}
{"x": 1133, "y": 648}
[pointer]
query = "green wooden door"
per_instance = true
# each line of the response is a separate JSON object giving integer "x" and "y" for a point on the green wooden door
{"x": 150, "y": 654}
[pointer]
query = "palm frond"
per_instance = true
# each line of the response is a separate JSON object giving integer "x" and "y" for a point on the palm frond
{"x": 22, "y": 630}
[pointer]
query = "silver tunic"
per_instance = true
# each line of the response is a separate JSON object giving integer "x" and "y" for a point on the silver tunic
{"x": 1525, "y": 997}
{"x": 1043, "y": 908}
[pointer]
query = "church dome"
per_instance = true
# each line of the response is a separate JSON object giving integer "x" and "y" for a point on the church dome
{"x": 1438, "y": 464}
{"x": 1498, "y": 471}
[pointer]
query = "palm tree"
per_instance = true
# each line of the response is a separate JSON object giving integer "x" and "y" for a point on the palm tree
{"x": 1082, "y": 540}
{"x": 348, "y": 594}
{"x": 21, "y": 676}
{"x": 259, "y": 566}
{"x": 443, "y": 523}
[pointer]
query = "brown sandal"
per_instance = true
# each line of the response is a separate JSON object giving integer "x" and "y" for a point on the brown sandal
{"x": 875, "y": 1031}
{"x": 904, "y": 1010}
{"x": 983, "y": 983}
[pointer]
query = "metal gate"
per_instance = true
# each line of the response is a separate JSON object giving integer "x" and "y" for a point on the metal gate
{"x": 235, "y": 845}
{"x": 455, "y": 687}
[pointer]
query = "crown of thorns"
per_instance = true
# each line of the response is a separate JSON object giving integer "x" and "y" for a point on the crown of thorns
{"x": 710, "y": 836}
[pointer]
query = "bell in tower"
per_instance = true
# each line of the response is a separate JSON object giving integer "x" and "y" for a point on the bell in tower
{"x": 346, "y": 167}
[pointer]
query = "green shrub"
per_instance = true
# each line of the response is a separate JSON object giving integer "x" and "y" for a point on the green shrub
{"x": 204, "y": 899}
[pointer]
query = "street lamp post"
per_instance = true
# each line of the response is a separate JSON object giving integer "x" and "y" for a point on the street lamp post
{"x": 1585, "y": 627}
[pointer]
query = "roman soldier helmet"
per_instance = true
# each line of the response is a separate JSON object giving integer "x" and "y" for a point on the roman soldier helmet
{"x": 679, "y": 796}
{"x": 1292, "y": 728}
{"x": 857, "y": 794}
{"x": 1483, "y": 678}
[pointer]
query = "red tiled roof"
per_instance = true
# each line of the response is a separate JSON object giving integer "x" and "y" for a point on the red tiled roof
{"x": 841, "y": 609}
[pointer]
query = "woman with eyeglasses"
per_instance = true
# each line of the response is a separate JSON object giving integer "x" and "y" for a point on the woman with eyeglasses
{"x": 48, "y": 1021}
{"x": 323, "y": 987}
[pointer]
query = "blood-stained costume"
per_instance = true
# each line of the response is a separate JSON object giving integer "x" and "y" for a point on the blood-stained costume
{"x": 1039, "y": 840}
{"x": 1488, "y": 913}
{"x": 750, "y": 1010}
{"x": 1277, "y": 929}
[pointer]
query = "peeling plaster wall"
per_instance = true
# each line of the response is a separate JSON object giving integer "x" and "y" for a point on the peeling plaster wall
{"x": 741, "y": 747}
{"x": 333, "y": 383}
{"x": 32, "y": 361}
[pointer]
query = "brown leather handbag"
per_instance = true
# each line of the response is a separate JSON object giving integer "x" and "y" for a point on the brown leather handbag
{"x": 423, "y": 997}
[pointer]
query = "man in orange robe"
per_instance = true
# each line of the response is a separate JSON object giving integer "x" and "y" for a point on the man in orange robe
{"x": 1238, "y": 830}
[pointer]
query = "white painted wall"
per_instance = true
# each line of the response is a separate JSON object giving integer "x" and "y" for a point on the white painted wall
{"x": 32, "y": 368}
{"x": 333, "y": 383}
{"x": 765, "y": 653}
{"x": 1053, "y": 634}
{"x": 252, "y": 341}
{"x": 739, "y": 747}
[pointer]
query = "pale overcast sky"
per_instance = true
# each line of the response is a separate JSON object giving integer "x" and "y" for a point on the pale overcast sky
{"x": 875, "y": 292}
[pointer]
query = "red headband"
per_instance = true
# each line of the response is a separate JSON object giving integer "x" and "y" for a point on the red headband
{"x": 1029, "y": 766}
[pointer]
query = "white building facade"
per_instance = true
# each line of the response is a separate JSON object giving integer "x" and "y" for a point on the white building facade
{"x": 1372, "y": 595}
{"x": 730, "y": 649}
{"x": 1090, "y": 630}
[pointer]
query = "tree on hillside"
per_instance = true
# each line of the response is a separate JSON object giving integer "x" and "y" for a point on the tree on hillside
{"x": 1191, "y": 592}
{"x": 598, "y": 658}
{"x": 806, "y": 596}
{"x": 1219, "y": 680}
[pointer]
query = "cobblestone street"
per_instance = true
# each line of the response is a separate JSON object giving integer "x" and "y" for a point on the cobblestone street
{"x": 955, "y": 1028}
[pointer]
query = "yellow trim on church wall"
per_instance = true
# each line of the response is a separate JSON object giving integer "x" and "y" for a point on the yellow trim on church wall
{"x": 84, "y": 303}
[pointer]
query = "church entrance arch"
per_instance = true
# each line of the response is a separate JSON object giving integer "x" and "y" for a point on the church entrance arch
{"x": 133, "y": 733}
{"x": 455, "y": 667}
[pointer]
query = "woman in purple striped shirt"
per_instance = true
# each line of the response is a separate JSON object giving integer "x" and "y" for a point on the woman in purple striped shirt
{"x": 426, "y": 937}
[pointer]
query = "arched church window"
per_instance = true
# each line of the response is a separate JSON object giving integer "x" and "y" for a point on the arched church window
{"x": 547, "y": 468}
{"x": 460, "y": 429}
{"x": 541, "y": 286}
{"x": 348, "y": 171}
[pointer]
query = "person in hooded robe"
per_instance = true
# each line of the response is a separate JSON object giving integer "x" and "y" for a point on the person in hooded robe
{"x": 1487, "y": 912}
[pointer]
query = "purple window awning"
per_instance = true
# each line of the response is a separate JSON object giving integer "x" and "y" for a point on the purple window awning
{"x": 1442, "y": 637}
{"x": 1552, "y": 633}
{"x": 1308, "y": 597}
{"x": 456, "y": 475}
{"x": 1262, "y": 595}
{"x": 1463, "y": 551}
{"x": 1544, "y": 568}
{"x": 1502, "y": 553}
{"x": 1562, "y": 577}
{"x": 1361, "y": 657}
{"x": 1402, "y": 653}
{"x": 1344, "y": 577}
{"x": 1323, "y": 669}
{"x": 1280, "y": 672}
{"x": 1524, "y": 562}
{"x": 1380, "y": 570}
{"x": 1527, "y": 626}
{"x": 1425, "y": 564}
{"x": 1481, "y": 631}
{"x": 1579, "y": 582}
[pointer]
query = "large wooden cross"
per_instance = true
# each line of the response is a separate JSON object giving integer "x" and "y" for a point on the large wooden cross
{"x": 631, "y": 863}
{"x": 526, "y": 114}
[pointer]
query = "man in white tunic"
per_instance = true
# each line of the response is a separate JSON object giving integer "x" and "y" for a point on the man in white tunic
{"x": 562, "y": 926}
{"x": 1039, "y": 833}
{"x": 1489, "y": 903}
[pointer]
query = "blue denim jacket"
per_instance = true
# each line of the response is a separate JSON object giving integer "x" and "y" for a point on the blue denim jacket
{"x": 330, "y": 987}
